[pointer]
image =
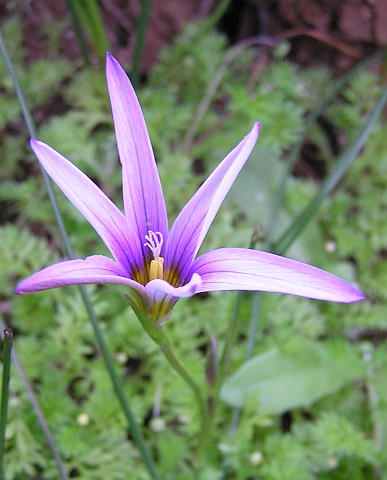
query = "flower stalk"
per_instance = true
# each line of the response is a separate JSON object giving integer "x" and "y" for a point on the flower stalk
{"x": 155, "y": 332}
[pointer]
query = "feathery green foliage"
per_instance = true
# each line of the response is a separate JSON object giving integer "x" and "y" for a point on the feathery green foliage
{"x": 336, "y": 432}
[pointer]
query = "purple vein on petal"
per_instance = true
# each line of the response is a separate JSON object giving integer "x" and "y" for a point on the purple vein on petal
{"x": 142, "y": 193}
{"x": 92, "y": 203}
{"x": 245, "y": 269}
{"x": 94, "y": 269}
{"x": 191, "y": 225}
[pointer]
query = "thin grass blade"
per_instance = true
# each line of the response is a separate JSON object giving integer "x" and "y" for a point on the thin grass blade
{"x": 89, "y": 14}
{"x": 133, "y": 426}
{"x": 38, "y": 411}
{"x": 7, "y": 349}
{"x": 140, "y": 40}
{"x": 331, "y": 182}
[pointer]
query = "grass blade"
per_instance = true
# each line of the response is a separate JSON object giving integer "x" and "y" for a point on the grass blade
{"x": 329, "y": 184}
{"x": 38, "y": 411}
{"x": 134, "y": 428}
{"x": 79, "y": 33}
{"x": 7, "y": 349}
{"x": 89, "y": 15}
{"x": 140, "y": 40}
{"x": 297, "y": 226}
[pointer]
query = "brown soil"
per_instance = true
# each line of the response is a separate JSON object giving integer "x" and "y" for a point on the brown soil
{"x": 331, "y": 32}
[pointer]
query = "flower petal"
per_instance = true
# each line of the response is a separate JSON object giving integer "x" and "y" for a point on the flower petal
{"x": 142, "y": 194}
{"x": 159, "y": 288}
{"x": 94, "y": 269}
{"x": 93, "y": 204}
{"x": 244, "y": 269}
{"x": 193, "y": 222}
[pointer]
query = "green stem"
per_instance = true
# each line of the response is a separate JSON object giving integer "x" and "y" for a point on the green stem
{"x": 38, "y": 411}
{"x": 182, "y": 372}
{"x": 135, "y": 429}
{"x": 7, "y": 349}
{"x": 140, "y": 39}
{"x": 178, "y": 367}
{"x": 157, "y": 335}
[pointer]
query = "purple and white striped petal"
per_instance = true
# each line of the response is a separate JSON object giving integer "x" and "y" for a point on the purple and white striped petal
{"x": 94, "y": 205}
{"x": 191, "y": 225}
{"x": 244, "y": 269}
{"x": 142, "y": 194}
{"x": 94, "y": 269}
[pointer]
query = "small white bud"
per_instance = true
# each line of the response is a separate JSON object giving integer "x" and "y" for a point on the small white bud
{"x": 83, "y": 419}
{"x": 332, "y": 462}
{"x": 157, "y": 424}
{"x": 122, "y": 358}
{"x": 256, "y": 458}
{"x": 330, "y": 246}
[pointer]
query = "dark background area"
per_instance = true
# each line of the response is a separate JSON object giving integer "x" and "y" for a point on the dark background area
{"x": 334, "y": 33}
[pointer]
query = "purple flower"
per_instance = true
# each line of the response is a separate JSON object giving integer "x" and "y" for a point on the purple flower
{"x": 159, "y": 264}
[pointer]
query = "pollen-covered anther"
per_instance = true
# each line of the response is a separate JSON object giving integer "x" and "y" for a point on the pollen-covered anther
{"x": 154, "y": 243}
{"x": 156, "y": 269}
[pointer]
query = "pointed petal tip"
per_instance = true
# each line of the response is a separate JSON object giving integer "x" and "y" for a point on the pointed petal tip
{"x": 246, "y": 269}
{"x": 353, "y": 296}
{"x": 255, "y": 129}
{"x": 113, "y": 66}
{"x": 253, "y": 134}
{"x": 33, "y": 142}
{"x": 342, "y": 291}
{"x": 110, "y": 59}
{"x": 36, "y": 144}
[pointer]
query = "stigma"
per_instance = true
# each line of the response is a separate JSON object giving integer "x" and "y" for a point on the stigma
{"x": 154, "y": 243}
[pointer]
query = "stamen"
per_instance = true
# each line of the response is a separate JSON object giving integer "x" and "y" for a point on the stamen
{"x": 156, "y": 269}
{"x": 155, "y": 242}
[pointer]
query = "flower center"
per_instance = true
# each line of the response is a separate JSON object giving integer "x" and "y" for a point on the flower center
{"x": 154, "y": 243}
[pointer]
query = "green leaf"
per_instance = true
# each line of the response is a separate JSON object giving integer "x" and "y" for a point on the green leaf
{"x": 255, "y": 186}
{"x": 91, "y": 18}
{"x": 292, "y": 376}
